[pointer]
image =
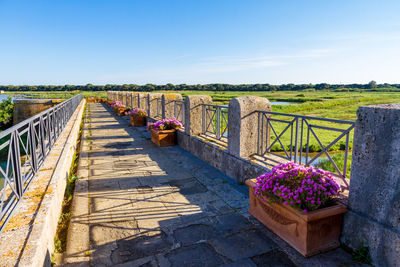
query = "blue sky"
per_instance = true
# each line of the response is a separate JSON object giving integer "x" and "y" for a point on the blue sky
{"x": 219, "y": 41}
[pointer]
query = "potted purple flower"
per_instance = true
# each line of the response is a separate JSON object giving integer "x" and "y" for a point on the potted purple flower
{"x": 299, "y": 204}
{"x": 163, "y": 132}
{"x": 119, "y": 108}
{"x": 137, "y": 117}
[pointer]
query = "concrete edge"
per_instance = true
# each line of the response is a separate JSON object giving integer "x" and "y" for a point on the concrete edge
{"x": 39, "y": 243}
{"x": 79, "y": 224}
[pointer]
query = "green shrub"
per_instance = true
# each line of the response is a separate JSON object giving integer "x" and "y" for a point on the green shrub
{"x": 6, "y": 114}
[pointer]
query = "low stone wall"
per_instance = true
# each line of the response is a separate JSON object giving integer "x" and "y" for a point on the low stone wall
{"x": 28, "y": 239}
{"x": 239, "y": 169}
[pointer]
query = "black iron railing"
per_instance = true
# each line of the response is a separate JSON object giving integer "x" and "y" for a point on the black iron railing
{"x": 179, "y": 111}
{"x": 23, "y": 149}
{"x": 305, "y": 140}
{"x": 215, "y": 122}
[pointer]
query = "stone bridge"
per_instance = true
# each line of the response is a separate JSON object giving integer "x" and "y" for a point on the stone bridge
{"x": 136, "y": 204}
{"x": 140, "y": 205}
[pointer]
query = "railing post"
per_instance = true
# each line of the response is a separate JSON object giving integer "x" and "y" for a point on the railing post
{"x": 193, "y": 113}
{"x": 374, "y": 197}
{"x": 242, "y": 126}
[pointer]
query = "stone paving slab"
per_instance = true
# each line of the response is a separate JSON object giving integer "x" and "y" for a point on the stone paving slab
{"x": 152, "y": 206}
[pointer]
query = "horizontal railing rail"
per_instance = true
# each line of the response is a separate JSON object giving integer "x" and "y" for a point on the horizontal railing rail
{"x": 23, "y": 149}
{"x": 215, "y": 122}
{"x": 304, "y": 140}
{"x": 179, "y": 111}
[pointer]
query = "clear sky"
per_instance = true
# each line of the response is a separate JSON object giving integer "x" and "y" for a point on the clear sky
{"x": 216, "y": 41}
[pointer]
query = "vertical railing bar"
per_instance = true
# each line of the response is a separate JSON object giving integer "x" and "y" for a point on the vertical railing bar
{"x": 296, "y": 145}
{"x": 346, "y": 153}
{"x": 301, "y": 141}
{"x": 291, "y": 141}
{"x": 218, "y": 128}
{"x": 308, "y": 142}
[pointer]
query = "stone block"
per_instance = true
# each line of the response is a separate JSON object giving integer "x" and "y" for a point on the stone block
{"x": 194, "y": 113}
{"x": 243, "y": 124}
{"x": 142, "y": 101}
{"x": 168, "y": 104}
{"x": 154, "y": 105}
{"x": 374, "y": 197}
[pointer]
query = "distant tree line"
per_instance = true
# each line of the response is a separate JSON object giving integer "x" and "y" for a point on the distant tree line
{"x": 371, "y": 86}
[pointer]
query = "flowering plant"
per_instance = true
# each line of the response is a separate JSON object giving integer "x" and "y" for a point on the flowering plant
{"x": 117, "y": 104}
{"x": 138, "y": 111}
{"x": 303, "y": 188}
{"x": 165, "y": 124}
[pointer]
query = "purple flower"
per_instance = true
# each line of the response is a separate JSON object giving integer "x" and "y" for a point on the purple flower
{"x": 305, "y": 188}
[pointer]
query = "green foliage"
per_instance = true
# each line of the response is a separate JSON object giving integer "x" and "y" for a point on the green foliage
{"x": 6, "y": 114}
{"x": 361, "y": 255}
{"x": 339, "y": 161}
{"x": 204, "y": 87}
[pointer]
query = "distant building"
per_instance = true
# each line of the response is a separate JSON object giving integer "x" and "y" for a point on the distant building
{"x": 2, "y": 92}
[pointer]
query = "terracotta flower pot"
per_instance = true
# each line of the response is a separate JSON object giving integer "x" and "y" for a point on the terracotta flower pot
{"x": 309, "y": 233}
{"x": 163, "y": 138}
{"x": 137, "y": 120}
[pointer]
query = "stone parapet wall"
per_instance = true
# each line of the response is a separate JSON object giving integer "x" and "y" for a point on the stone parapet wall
{"x": 237, "y": 168}
{"x": 28, "y": 239}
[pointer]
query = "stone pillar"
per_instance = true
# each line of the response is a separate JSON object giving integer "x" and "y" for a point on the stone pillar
{"x": 243, "y": 124}
{"x": 374, "y": 198}
{"x": 194, "y": 113}
{"x": 123, "y": 98}
{"x": 143, "y": 101}
{"x": 168, "y": 105}
{"x": 155, "y": 108}
{"x": 135, "y": 100}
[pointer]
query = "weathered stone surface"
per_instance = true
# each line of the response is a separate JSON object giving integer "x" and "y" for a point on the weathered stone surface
{"x": 193, "y": 113}
{"x": 374, "y": 197}
{"x": 168, "y": 104}
{"x": 194, "y": 233}
{"x": 273, "y": 258}
{"x": 142, "y": 100}
{"x": 243, "y": 133}
{"x": 195, "y": 255}
{"x": 243, "y": 245}
{"x": 155, "y": 105}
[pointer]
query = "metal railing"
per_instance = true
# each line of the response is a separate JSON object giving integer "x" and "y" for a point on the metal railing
{"x": 303, "y": 139}
{"x": 179, "y": 111}
{"x": 215, "y": 122}
{"x": 23, "y": 149}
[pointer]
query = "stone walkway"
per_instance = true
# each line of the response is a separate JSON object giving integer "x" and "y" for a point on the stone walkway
{"x": 151, "y": 206}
